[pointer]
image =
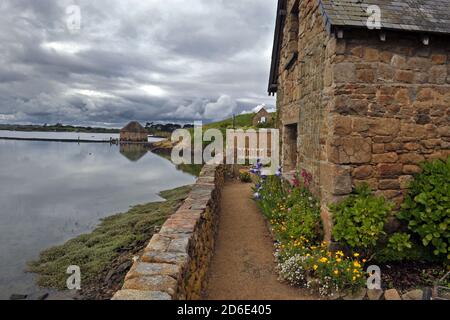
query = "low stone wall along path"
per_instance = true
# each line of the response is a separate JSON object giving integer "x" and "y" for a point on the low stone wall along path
{"x": 243, "y": 265}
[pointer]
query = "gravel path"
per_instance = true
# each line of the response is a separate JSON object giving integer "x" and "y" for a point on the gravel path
{"x": 243, "y": 267}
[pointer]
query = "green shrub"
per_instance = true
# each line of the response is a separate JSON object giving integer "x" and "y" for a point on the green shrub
{"x": 399, "y": 242}
{"x": 245, "y": 177}
{"x": 303, "y": 215}
{"x": 292, "y": 210}
{"x": 426, "y": 209}
{"x": 359, "y": 219}
{"x": 400, "y": 247}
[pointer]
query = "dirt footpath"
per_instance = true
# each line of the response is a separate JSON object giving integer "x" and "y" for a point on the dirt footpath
{"x": 243, "y": 265}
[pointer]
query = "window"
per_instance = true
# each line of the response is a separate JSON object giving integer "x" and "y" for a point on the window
{"x": 263, "y": 120}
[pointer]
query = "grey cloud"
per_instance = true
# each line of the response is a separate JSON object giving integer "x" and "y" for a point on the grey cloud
{"x": 145, "y": 60}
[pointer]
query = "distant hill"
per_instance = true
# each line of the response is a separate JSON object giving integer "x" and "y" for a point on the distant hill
{"x": 241, "y": 121}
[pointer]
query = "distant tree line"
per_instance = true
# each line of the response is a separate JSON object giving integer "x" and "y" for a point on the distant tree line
{"x": 154, "y": 128}
{"x": 58, "y": 127}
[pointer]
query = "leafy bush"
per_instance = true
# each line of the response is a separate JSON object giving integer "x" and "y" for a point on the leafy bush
{"x": 398, "y": 248}
{"x": 427, "y": 206}
{"x": 399, "y": 242}
{"x": 292, "y": 210}
{"x": 245, "y": 177}
{"x": 360, "y": 219}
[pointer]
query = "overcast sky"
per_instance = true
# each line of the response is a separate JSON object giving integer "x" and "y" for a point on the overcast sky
{"x": 144, "y": 60}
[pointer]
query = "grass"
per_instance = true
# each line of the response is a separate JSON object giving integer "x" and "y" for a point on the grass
{"x": 241, "y": 121}
{"x": 95, "y": 252}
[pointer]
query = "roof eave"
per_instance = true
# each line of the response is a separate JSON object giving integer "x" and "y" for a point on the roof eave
{"x": 273, "y": 78}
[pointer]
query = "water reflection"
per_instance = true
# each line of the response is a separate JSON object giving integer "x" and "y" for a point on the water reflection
{"x": 51, "y": 192}
{"x": 133, "y": 151}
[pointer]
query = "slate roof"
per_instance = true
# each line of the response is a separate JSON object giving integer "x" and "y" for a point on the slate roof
{"x": 420, "y": 16}
{"x": 428, "y": 16}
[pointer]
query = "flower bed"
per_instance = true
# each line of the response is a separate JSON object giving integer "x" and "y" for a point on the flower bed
{"x": 359, "y": 233}
{"x": 303, "y": 258}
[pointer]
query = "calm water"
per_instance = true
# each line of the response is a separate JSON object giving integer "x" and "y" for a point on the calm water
{"x": 52, "y": 191}
{"x": 58, "y": 135}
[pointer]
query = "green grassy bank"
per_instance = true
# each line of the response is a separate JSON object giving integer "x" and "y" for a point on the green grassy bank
{"x": 105, "y": 255}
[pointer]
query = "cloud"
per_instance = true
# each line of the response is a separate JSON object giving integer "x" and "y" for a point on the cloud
{"x": 258, "y": 108}
{"x": 146, "y": 60}
{"x": 221, "y": 109}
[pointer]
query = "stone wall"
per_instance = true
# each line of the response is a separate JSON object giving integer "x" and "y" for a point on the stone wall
{"x": 305, "y": 87}
{"x": 175, "y": 263}
{"x": 390, "y": 111}
{"x": 361, "y": 109}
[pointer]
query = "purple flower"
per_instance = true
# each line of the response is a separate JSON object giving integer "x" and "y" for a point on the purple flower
{"x": 257, "y": 196}
{"x": 278, "y": 173}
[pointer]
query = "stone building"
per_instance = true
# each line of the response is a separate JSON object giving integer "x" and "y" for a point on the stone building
{"x": 262, "y": 117}
{"x": 357, "y": 104}
{"x": 133, "y": 132}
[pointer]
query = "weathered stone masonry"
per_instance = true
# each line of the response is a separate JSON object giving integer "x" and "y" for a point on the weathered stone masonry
{"x": 362, "y": 109}
{"x": 175, "y": 263}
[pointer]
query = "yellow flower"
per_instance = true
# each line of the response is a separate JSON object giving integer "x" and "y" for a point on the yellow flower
{"x": 339, "y": 253}
{"x": 336, "y": 271}
{"x": 356, "y": 264}
{"x": 338, "y": 260}
{"x": 354, "y": 278}
{"x": 364, "y": 260}
{"x": 356, "y": 255}
{"x": 355, "y": 271}
{"x": 323, "y": 260}
{"x": 315, "y": 267}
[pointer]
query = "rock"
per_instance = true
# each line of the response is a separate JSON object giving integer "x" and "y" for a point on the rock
{"x": 390, "y": 170}
{"x": 344, "y": 72}
{"x": 140, "y": 295}
{"x": 119, "y": 270}
{"x": 390, "y": 157}
{"x": 336, "y": 295}
{"x": 151, "y": 269}
{"x": 411, "y": 169}
{"x": 389, "y": 184}
{"x": 391, "y": 294}
{"x": 411, "y": 158}
{"x": 18, "y": 297}
{"x": 413, "y": 295}
{"x": 154, "y": 283}
{"x": 40, "y": 295}
{"x": 374, "y": 294}
{"x": 362, "y": 172}
{"x": 165, "y": 257}
{"x": 358, "y": 295}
